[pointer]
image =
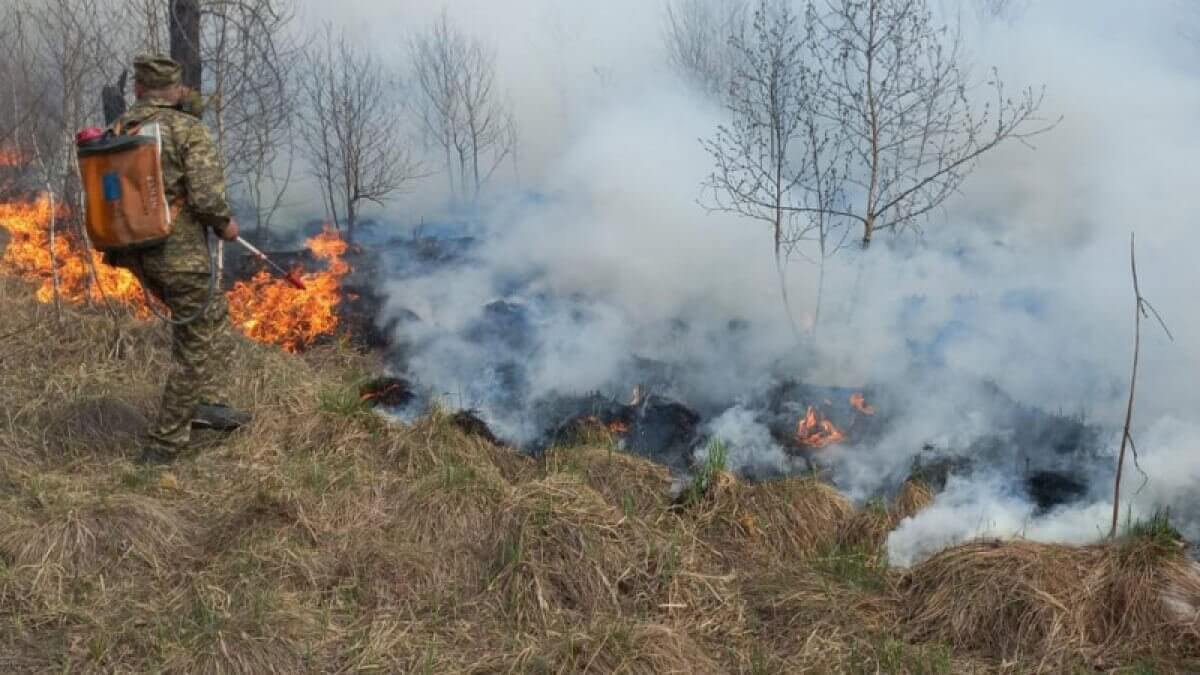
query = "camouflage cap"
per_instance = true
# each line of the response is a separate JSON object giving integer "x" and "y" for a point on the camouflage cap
{"x": 155, "y": 71}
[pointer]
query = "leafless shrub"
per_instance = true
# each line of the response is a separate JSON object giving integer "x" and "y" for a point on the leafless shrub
{"x": 894, "y": 87}
{"x": 353, "y": 139}
{"x": 697, "y": 34}
{"x": 248, "y": 53}
{"x": 777, "y": 161}
{"x": 458, "y": 106}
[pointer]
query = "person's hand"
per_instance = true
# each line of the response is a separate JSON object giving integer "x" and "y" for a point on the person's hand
{"x": 230, "y": 232}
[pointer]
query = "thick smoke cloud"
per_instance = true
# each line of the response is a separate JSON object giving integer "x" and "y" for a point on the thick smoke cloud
{"x": 1022, "y": 280}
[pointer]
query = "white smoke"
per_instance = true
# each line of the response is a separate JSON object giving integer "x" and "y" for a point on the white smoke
{"x": 749, "y": 445}
{"x": 982, "y": 507}
{"x": 1023, "y": 279}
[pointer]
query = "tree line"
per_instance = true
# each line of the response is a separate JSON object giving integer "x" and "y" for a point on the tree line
{"x": 282, "y": 101}
{"x": 844, "y": 118}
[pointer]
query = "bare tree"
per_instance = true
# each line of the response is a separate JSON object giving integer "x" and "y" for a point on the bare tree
{"x": 696, "y": 34}
{"x": 352, "y": 135}
{"x": 758, "y": 170}
{"x": 772, "y": 159}
{"x": 247, "y": 52}
{"x": 893, "y": 87}
{"x": 490, "y": 128}
{"x": 249, "y": 57}
{"x": 68, "y": 47}
{"x": 458, "y": 106}
{"x": 857, "y": 116}
{"x": 184, "y": 30}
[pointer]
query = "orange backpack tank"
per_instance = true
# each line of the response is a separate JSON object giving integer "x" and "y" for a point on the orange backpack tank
{"x": 125, "y": 205}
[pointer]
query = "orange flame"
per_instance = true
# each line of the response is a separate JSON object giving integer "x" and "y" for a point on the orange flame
{"x": 613, "y": 427}
{"x": 28, "y": 257}
{"x": 10, "y": 157}
{"x": 860, "y": 403}
{"x": 268, "y": 309}
{"x": 815, "y": 431}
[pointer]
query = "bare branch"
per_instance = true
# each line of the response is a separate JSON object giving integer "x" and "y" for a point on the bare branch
{"x": 459, "y": 108}
{"x": 352, "y": 135}
{"x": 696, "y": 34}
{"x": 1140, "y": 305}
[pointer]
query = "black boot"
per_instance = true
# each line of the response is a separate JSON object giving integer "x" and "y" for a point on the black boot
{"x": 219, "y": 417}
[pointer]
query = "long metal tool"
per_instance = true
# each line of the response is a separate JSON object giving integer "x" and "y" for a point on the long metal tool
{"x": 292, "y": 276}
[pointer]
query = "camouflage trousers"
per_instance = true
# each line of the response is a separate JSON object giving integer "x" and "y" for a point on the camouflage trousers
{"x": 199, "y": 350}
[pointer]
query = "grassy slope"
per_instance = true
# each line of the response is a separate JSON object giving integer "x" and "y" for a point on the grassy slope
{"x": 326, "y": 539}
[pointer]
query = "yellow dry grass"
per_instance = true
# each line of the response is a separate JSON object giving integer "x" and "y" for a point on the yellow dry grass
{"x": 1052, "y": 605}
{"x": 326, "y": 539}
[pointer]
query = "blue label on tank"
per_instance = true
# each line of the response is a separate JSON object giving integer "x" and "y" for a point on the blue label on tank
{"x": 112, "y": 187}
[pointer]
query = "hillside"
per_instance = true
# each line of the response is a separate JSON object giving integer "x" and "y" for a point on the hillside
{"x": 326, "y": 538}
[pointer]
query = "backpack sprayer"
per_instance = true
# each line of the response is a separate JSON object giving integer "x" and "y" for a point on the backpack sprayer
{"x": 126, "y": 206}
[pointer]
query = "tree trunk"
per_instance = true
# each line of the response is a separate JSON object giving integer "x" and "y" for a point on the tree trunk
{"x": 185, "y": 39}
{"x": 450, "y": 172}
{"x": 475, "y": 160}
{"x": 112, "y": 99}
{"x": 868, "y": 230}
{"x": 820, "y": 294}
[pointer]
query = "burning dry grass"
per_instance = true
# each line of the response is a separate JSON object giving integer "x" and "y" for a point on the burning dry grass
{"x": 325, "y": 538}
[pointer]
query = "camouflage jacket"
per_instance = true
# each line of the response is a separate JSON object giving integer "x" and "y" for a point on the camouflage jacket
{"x": 193, "y": 177}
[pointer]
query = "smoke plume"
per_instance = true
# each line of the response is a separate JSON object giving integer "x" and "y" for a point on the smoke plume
{"x": 600, "y": 253}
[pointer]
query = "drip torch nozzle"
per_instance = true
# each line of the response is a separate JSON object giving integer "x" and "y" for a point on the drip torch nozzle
{"x": 291, "y": 276}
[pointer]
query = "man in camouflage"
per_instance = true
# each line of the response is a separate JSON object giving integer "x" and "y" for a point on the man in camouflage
{"x": 179, "y": 271}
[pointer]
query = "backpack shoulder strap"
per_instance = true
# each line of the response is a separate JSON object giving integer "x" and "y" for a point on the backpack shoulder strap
{"x": 123, "y": 128}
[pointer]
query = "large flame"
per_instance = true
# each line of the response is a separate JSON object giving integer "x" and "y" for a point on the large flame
{"x": 28, "y": 256}
{"x": 816, "y": 431}
{"x": 268, "y": 309}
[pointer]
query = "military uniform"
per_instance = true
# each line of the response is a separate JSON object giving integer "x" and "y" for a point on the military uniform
{"x": 178, "y": 270}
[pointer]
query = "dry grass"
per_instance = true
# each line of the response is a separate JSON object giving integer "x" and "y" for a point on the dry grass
{"x": 790, "y": 519}
{"x": 913, "y": 498}
{"x": 1055, "y": 605}
{"x": 626, "y": 482}
{"x": 326, "y": 539}
{"x": 562, "y": 549}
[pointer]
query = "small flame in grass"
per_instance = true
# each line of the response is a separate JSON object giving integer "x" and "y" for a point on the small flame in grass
{"x": 860, "y": 403}
{"x": 269, "y": 309}
{"x": 613, "y": 427}
{"x": 816, "y": 431}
